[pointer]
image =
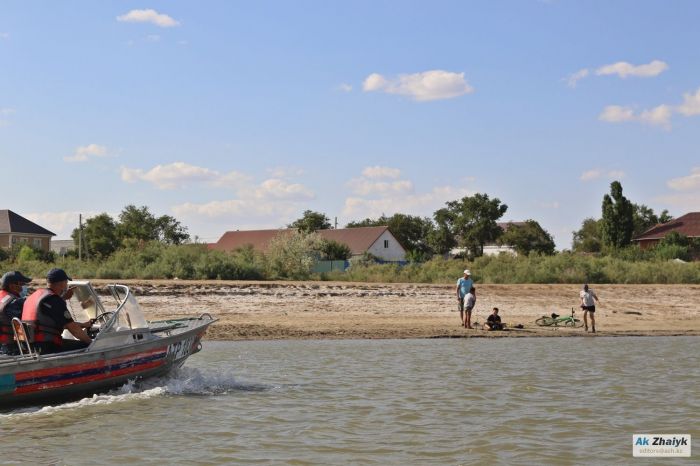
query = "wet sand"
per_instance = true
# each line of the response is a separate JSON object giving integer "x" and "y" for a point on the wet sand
{"x": 335, "y": 310}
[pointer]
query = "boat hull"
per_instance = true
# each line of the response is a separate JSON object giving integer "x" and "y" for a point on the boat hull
{"x": 72, "y": 376}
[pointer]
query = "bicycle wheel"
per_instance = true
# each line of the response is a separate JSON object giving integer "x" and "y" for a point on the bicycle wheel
{"x": 576, "y": 323}
{"x": 544, "y": 321}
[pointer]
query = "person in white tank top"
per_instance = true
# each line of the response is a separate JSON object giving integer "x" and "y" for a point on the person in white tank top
{"x": 588, "y": 300}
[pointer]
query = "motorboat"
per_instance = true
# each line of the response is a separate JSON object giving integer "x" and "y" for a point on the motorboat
{"x": 125, "y": 347}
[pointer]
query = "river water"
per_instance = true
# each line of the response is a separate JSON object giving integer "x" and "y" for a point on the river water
{"x": 468, "y": 401}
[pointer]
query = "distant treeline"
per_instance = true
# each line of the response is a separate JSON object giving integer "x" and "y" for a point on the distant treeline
{"x": 155, "y": 260}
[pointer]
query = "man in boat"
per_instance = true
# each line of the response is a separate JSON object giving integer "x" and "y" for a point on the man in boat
{"x": 13, "y": 290}
{"x": 46, "y": 311}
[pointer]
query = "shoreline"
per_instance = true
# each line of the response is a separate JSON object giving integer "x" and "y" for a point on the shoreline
{"x": 254, "y": 310}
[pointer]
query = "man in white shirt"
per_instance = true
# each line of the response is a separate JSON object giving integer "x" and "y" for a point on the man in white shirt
{"x": 588, "y": 300}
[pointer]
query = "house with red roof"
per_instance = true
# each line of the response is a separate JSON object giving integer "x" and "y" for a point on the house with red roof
{"x": 687, "y": 225}
{"x": 377, "y": 241}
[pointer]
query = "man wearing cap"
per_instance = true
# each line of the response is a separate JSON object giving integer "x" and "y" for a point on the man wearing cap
{"x": 13, "y": 290}
{"x": 464, "y": 284}
{"x": 46, "y": 311}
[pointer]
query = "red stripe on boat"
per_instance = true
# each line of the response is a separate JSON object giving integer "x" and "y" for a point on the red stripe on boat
{"x": 84, "y": 366}
{"x": 88, "y": 378}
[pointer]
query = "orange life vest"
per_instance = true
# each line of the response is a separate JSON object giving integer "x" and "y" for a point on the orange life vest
{"x": 45, "y": 329}
{"x": 6, "y": 333}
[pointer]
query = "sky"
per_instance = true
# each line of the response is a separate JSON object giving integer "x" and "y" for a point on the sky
{"x": 243, "y": 114}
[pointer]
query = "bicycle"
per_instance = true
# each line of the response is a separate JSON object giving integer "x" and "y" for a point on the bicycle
{"x": 555, "y": 320}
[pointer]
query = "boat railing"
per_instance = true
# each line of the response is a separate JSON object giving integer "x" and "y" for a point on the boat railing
{"x": 22, "y": 338}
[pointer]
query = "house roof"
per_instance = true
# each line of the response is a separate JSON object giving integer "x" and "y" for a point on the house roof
{"x": 11, "y": 222}
{"x": 688, "y": 225}
{"x": 507, "y": 225}
{"x": 358, "y": 240}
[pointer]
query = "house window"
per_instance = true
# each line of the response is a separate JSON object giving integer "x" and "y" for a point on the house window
{"x": 24, "y": 240}
{"x": 386, "y": 244}
{"x": 14, "y": 240}
{"x": 36, "y": 242}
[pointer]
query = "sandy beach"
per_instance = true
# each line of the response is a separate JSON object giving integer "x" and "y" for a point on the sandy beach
{"x": 335, "y": 310}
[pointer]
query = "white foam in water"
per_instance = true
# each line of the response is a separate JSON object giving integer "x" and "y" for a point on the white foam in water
{"x": 184, "y": 381}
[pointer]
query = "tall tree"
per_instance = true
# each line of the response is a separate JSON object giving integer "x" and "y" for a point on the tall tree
{"x": 311, "y": 221}
{"x": 442, "y": 238}
{"x": 99, "y": 235}
{"x": 474, "y": 221}
{"x": 528, "y": 237}
{"x": 618, "y": 218}
{"x": 588, "y": 237}
{"x": 138, "y": 223}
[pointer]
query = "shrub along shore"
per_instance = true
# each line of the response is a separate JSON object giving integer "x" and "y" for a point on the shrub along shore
{"x": 197, "y": 262}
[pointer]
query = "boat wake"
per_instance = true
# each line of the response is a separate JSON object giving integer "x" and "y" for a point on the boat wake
{"x": 181, "y": 382}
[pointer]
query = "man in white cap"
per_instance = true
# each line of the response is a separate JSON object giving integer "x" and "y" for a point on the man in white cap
{"x": 464, "y": 285}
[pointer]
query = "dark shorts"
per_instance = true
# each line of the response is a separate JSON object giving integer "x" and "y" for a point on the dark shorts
{"x": 590, "y": 309}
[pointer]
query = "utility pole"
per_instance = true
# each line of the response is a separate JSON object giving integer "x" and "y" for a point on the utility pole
{"x": 80, "y": 237}
{"x": 336, "y": 224}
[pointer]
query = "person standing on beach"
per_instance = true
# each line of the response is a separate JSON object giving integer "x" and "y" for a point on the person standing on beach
{"x": 464, "y": 284}
{"x": 469, "y": 303}
{"x": 588, "y": 300}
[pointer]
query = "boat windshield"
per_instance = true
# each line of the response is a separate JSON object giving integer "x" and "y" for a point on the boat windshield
{"x": 84, "y": 304}
{"x": 128, "y": 314}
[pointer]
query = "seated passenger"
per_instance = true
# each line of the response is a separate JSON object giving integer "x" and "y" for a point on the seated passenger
{"x": 494, "y": 321}
{"x": 46, "y": 311}
{"x": 13, "y": 290}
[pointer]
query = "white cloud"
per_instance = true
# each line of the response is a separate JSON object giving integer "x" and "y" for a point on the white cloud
{"x": 574, "y": 78}
{"x": 416, "y": 204}
{"x": 691, "y": 104}
{"x": 594, "y": 174}
{"x": 84, "y": 153}
{"x": 616, "y": 174}
{"x": 624, "y": 69}
{"x": 4, "y": 113}
{"x": 590, "y": 175}
{"x": 657, "y": 116}
{"x": 372, "y": 198}
{"x": 285, "y": 172}
{"x": 381, "y": 172}
{"x": 60, "y": 223}
{"x": 176, "y": 174}
{"x": 425, "y": 86}
{"x": 148, "y": 16}
{"x": 616, "y": 114}
{"x": 280, "y": 189}
{"x": 344, "y": 87}
{"x": 686, "y": 183}
{"x": 364, "y": 187}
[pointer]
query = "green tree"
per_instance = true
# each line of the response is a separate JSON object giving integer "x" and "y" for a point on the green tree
{"x": 335, "y": 251}
{"x": 530, "y": 237}
{"x": 473, "y": 220}
{"x": 292, "y": 255}
{"x": 311, "y": 221}
{"x": 138, "y": 223}
{"x": 588, "y": 237}
{"x": 99, "y": 235}
{"x": 618, "y": 218}
{"x": 442, "y": 238}
{"x": 412, "y": 232}
{"x": 171, "y": 231}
